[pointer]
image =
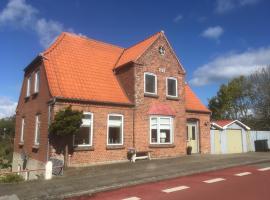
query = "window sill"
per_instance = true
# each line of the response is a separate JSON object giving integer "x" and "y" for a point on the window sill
{"x": 173, "y": 98}
{"x": 35, "y": 94}
{"x": 26, "y": 98}
{"x": 161, "y": 146}
{"x": 35, "y": 146}
{"x": 85, "y": 148}
{"x": 151, "y": 95}
{"x": 21, "y": 144}
{"x": 114, "y": 147}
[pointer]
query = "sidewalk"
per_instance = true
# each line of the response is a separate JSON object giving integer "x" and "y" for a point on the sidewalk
{"x": 100, "y": 178}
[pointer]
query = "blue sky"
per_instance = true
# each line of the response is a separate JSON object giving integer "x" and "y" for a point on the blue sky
{"x": 214, "y": 39}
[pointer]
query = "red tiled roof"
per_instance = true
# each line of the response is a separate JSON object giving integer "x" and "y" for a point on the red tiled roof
{"x": 81, "y": 68}
{"x": 161, "y": 109}
{"x": 193, "y": 103}
{"x": 134, "y": 52}
{"x": 223, "y": 122}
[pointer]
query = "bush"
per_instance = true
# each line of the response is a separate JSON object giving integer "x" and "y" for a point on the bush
{"x": 11, "y": 178}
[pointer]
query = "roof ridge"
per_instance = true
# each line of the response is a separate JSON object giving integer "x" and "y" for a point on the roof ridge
{"x": 55, "y": 43}
{"x": 159, "y": 32}
{"x": 95, "y": 40}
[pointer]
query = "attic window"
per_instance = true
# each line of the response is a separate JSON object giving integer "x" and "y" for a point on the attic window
{"x": 150, "y": 83}
{"x": 161, "y": 50}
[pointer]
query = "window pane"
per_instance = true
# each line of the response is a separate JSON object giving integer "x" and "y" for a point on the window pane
{"x": 37, "y": 134}
{"x": 153, "y": 120}
{"x": 83, "y": 137}
{"x": 86, "y": 121}
{"x": 164, "y": 120}
{"x": 115, "y": 135}
{"x": 165, "y": 136}
{"x": 171, "y": 87}
{"x": 150, "y": 83}
{"x": 37, "y": 81}
{"x": 193, "y": 133}
{"x": 154, "y": 135}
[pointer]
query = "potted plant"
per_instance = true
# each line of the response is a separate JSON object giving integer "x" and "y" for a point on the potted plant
{"x": 131, "y": 152}
{"x": 189, "y": 149}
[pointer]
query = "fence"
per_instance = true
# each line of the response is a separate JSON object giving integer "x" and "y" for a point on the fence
{"x": 258, "y": 135}
{"x": 47, "y": 172}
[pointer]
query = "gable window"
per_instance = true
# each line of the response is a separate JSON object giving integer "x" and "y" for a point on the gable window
{"x": 22, "y": 131}
{"x": 150, "y": 83}
{"x": 85, "y": 135}
{"x": 172, "y": 87}
{"x": 161, "y": 130}
{"x": 37, "y": 80}
{"x": 115, "y": 129}
{"x": 28, "y": 86}
{"x": 37, "y": 130}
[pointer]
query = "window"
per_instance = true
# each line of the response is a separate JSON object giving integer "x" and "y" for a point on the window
{"x": 22, "y": 131}
{"x": 37, "y": 81}
{"x": 37, "y": 130}
{"x": 161, "y": 131}
{"x": 172, "y": 87}
{"x": 85, "y": 135}
{"x": 28, "y": 86}
{"x": 115, "y": 129}
{"x": 150, "y": 83}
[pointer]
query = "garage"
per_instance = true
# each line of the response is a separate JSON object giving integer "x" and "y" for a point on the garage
{"x": 228, "y": 136}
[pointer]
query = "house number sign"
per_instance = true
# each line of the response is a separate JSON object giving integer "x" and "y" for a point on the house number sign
{"x": 162, "y": 70}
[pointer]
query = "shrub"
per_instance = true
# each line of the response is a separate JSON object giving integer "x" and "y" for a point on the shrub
{"x": 11, "y": 178}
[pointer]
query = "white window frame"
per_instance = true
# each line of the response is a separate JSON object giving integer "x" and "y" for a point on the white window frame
{"x": 151, "y": 74}
{"x": 37, "y": 81}
{"x": 91, "y": 132}
{"x": 22, "y": 130}
{"x": 122, "y": 130}
{"x": 158, "y": 130}
{"x": 28, "y": 86}
{"x": 176, "y": 82}
{"x": 37, "y": 128}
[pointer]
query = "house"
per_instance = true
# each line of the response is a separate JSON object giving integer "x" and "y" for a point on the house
{"x": 132, "y": 97}
{"x": 229, "y": 136}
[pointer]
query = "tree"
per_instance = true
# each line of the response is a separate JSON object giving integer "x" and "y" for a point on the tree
{"x": 260, "y": 97}
{"x": 65, "y": 125}
{"x": 232, "y": 100}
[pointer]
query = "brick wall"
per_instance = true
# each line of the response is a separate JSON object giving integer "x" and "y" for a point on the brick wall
{"x": 28, "y": 108}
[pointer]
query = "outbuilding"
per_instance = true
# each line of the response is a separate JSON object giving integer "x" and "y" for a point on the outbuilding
{"x": 228, "y": 136}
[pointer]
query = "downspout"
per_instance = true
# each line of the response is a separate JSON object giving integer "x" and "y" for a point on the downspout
{"x": 49, "y": 122}
{"x": 133, "y": 127}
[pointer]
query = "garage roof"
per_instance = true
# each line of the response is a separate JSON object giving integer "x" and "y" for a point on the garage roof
{"x": 224, "y": 124}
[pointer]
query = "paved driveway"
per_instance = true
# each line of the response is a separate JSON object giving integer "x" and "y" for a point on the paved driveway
{"x": 99, "y": 178}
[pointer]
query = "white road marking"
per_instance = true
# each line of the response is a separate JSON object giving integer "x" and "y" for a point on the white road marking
{"x": 214, "y": 180}
{"x": 174, "y": 189}
{"x": 264, "y": 169}
{"x": 243, "y": 174}
{"x": 132, "y": 198}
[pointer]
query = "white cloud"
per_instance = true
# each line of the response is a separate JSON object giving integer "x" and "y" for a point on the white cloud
{"x": 213, "y": 32}
{"x": 7, "y": 107}
{"x": 18, "y": 13}
{"x": 225, "y": 6}
{"x": 178, "y": 18}
{"x": 231, "y": 65}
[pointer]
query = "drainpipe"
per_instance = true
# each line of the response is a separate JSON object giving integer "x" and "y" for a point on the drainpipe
{"x": 133, "y": 127}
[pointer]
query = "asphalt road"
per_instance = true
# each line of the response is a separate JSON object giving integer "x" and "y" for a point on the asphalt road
{"x": 247, "y": 182}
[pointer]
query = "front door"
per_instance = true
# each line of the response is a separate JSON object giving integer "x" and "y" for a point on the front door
{"x": 192, "y": 137}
